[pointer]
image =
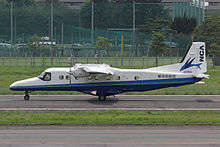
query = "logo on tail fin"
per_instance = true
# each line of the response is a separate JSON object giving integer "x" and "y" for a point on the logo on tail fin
{"x": 189, "y": 64}
{"x": 201, "y": 53}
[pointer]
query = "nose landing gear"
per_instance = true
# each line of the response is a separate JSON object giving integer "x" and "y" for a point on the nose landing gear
{"x": 26, "y": 96}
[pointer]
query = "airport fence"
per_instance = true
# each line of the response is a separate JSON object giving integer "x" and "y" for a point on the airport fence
{"x": 116, "y": 61}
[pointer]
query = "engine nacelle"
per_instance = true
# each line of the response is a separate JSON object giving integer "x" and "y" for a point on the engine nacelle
{"x": 78, "y": 73}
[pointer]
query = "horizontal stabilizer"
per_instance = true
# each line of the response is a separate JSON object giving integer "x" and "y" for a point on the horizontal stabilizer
{"x": 200, "y": 82}
{"x": 202, "y": 76}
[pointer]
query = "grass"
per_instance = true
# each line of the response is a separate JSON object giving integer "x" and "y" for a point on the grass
{"x": 111, "y": 117}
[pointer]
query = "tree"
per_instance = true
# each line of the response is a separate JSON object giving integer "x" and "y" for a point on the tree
{"x": 20, "y": 3}
{"x": 102, "y": 14}
{"x": 33, "y": 45}
{"x": 209, "y": 32}
{"x": 214, "y": 50}
{"x": 184, "y": 24}
{"x": 32, "y": 17}
{"x": 119, "y": 13}
{"x": 154, "y": 25}
{"x": 157, "y": 44}
{"x": 102, "y": 44}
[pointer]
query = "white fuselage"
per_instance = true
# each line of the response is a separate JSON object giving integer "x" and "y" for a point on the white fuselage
{"x": 121, "y": 81}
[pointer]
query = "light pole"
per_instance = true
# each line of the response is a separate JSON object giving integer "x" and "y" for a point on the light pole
{"x": 11, "y": 23}
{"x": 134, "y": 25}
{"x": 203, "y": 11}
{"x": 79, "y": 29}
{"x": 15, "y": 35}
{"x": 92, "y": 23}
{"x": 51, "y": 30}
{"x": 62, "y": 39}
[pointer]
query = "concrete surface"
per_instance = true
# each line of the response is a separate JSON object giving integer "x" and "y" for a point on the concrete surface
{"x": 111, "y": 137}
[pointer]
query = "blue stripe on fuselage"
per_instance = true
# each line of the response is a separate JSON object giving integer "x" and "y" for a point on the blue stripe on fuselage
{"x": 140, "y": 85}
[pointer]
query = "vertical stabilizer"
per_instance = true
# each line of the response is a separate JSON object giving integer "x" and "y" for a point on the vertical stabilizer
{"x": 194, "y": 60}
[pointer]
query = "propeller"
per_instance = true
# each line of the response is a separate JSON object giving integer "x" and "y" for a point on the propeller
{"x": 71, "y": 65}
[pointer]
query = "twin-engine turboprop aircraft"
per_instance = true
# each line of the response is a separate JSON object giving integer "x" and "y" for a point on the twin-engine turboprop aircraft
{"x": 102, "y": 80}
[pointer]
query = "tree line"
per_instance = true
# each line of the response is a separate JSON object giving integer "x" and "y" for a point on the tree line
{"x": 30, "y": 17}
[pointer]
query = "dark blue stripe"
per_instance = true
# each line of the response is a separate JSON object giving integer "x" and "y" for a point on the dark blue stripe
{"x": 140, "y": 85}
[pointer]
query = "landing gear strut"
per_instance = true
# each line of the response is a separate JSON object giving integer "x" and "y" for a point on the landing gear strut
{"x": 26, "y": 96}
{"x": 102, "y": 97}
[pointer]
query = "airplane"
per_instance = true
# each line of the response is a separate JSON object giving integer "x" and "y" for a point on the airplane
{"x": 102, "y": 80}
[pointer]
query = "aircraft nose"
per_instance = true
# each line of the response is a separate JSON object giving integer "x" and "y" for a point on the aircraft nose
{"x": 13, "y": 86}
{"x": 16, "y": 85}
{"x": 24, "y": 84}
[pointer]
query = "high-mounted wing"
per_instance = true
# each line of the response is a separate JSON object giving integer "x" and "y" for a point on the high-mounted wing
{"x": 83, "y": 70}
{"x": 97, "y": 70}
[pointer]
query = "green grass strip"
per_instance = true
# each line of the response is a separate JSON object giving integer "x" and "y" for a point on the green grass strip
{"x": 112, "y": 117}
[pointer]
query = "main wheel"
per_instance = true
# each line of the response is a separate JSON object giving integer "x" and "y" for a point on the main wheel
{"x": 26, "y": 97}
{"x": 102, "y": 98}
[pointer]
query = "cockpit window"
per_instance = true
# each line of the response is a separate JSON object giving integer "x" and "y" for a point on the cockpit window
{"x": 41, "y": 76}
{"x": 46, "y": 76}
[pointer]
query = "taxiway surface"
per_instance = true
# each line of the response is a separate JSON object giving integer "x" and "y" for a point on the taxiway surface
{"x": 123, "y": 102}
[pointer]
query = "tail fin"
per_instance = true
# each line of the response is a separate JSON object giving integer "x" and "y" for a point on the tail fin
{"x": 195, "y": 59}
{"x": 193, "y": 62}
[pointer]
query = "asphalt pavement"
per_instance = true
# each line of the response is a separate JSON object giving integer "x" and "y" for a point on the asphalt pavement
{"x": 111, "y": 136}
{"x": 122, "y": 102}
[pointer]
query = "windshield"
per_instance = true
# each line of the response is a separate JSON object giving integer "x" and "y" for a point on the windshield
{"x": 46, "y": 76}
{"x": 41, "y": 76}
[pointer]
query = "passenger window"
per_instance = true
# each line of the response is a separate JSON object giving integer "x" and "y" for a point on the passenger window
{"x": 47, "y": 77}
{"x": 159, "y": 76}
{"x": 117, "y": 77}
{"x": 136, "y": 77}
{"x": 76, "y": 78}
{"x": 89, "y": 77}
{"x": 108, "y": 77}
{"x": 61, "y": 77}
{"x": 96, "y": 77}
{"x": 67, "y": 77}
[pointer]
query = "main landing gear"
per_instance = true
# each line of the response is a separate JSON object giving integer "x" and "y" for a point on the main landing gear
{"x": 102, "y": 97}
{"x": 26, "y": 96}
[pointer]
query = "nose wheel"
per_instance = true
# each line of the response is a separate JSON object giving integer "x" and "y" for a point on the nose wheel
{"x": 26, "y": 96}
